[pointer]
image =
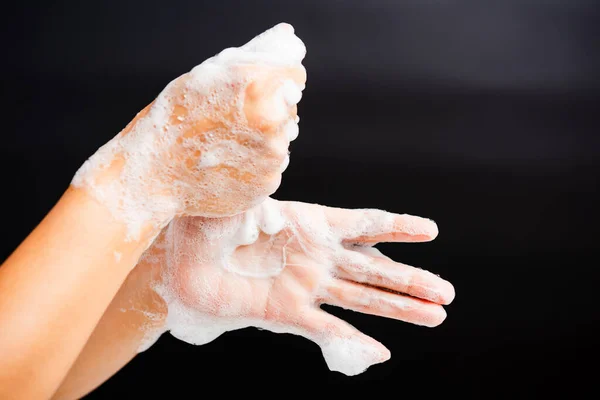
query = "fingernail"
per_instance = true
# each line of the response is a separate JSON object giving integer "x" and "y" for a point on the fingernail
{"x": 284, "y": 26}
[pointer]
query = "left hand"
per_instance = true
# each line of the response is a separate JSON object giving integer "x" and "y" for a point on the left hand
{"x": 214, "y": 142}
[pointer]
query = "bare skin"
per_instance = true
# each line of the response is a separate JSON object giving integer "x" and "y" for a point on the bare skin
{"x": 369, "y": 282}
{"x": 58, "y": 283}
{"x": 55, "y": 287}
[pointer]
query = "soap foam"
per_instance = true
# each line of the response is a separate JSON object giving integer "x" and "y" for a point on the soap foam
{"x": 268, "y": 268}
{"x": 226, "y": 166}
{"x": 351, "y": 356}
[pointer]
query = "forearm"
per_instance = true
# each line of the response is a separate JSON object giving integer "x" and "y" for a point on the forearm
{"x": 54, "y": 289}
{"x": 134, "y": 318}
{"x": 177, "y": 157}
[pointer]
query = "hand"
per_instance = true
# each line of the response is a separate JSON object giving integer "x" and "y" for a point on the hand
{"x": 273, "y": 266}
{"x": 213, "y": 143}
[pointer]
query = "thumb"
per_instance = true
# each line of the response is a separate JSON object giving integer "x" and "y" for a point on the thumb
{"x": 345, "y": 348}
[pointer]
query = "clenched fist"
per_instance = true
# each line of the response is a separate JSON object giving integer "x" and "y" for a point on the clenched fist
{"x": 213, "y": 143}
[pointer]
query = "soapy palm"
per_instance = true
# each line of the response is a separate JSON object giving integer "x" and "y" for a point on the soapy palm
{"x": 277, "y": 282}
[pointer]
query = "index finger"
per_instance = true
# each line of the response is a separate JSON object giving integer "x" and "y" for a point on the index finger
{"x": 369, "y": 226}
{"x": 271, "y": 99}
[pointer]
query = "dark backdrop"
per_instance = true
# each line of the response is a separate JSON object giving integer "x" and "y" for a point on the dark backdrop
{"x": 481, "y": 115}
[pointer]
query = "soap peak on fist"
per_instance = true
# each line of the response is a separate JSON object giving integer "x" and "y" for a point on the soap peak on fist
{"x": 213, "y": 143}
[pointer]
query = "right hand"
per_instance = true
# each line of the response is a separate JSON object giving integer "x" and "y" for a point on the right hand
{"x": 215, "y": 141}
{"x": 277, "y": 282}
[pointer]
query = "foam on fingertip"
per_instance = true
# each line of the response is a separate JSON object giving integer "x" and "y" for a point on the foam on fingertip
{"x": 352, "y": 356}
{"x": 291, "y": 130}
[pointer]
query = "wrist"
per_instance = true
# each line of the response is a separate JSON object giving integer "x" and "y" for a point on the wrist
{"x": 141, "y": 306}
{"x": 124, "y": 184}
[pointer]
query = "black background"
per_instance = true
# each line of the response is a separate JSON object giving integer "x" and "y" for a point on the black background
{"x": 481, "y": 115}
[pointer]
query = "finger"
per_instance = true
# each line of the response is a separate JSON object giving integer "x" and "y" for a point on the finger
{"x": 373, "y": 226}
{"x": 272, "y": 99}
{"x": 369, "y": 300}
{"x": 345, "y": 349}
{"x": 268, "y": 81}
{"x": 295, "y": 74}
{"x": 362, "y": 267}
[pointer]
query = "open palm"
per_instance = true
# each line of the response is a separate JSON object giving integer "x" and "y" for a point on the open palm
{"x": 274, "y": 265}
